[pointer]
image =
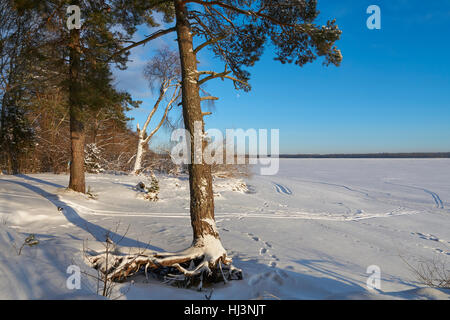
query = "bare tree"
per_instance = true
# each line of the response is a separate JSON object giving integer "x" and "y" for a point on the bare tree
{"x": 162, "y": 71}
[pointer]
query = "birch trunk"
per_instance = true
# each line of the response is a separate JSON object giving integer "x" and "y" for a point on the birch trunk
{"x": 139, "y": 154}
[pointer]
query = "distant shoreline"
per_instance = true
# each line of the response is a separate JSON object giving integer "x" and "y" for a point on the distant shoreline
{"x": 386, "y": 155}
{"x": 412, "y": 155}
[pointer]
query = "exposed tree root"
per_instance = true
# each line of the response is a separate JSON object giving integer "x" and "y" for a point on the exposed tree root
{"x": 206, "y": 261}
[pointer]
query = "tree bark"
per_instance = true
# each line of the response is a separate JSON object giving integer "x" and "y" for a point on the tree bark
{"x": 139, "y": 154}
{"x": 2, "y": 117}
{"x": 3, "y": 152}
{"x": 77, "y": 133}
{"x": 200, "y": 179}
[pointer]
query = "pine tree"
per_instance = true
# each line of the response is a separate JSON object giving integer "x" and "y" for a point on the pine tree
{"x": 86, "y": 56}
{"x": 236, "y": 32}
{"x": 16, "y": 43}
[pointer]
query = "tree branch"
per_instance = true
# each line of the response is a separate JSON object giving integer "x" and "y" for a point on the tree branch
{"x": 153, "y": 36}
{"x": 155, "y": 107}
{"x": 175, "y": 96}
{"x": 246, "y": 12}
{"x": 221, "y": 75}
{"x": 207, "y": 43}
{"x": 208, "y": 98}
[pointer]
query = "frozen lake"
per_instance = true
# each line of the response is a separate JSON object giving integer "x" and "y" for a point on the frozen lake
{"x": 309, "y": 232}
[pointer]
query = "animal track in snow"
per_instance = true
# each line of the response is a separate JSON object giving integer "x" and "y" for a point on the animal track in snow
{"x": 264, "y": 251}
{"x": 442, "y": 251}
{"x": 253, "y": 237}
{"x": 431, "y": 237}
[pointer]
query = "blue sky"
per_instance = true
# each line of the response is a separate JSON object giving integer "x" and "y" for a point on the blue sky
{"x": 391, "y": 93}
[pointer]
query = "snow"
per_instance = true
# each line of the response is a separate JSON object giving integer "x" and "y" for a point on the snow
{"x": 309, "y": 232}
{"x": 212, "y": 223}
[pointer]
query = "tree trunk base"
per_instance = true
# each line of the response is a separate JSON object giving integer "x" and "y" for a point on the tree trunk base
{"x": 195, "y": 266}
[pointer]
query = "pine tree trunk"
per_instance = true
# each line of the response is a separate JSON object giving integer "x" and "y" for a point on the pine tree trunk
{"x": 77, "y": 134}
{"x": 2, "y": 118}
{"x": 77, "y": 138}
{"x": 200, "y": 179}
{"x": 3, "y": 151}
{"x": 206, "y": 255}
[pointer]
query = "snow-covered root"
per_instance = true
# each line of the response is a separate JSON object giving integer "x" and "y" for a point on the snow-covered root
{"x": 205, "y": 261}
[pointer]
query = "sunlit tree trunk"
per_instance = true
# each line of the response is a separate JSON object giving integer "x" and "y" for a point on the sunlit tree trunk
{"x": 77, "y": 133}
{"x": 200, "y": 179}
{"x": 139, "y": 154}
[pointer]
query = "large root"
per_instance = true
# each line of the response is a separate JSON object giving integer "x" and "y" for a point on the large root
{"x": 193, "y": 266}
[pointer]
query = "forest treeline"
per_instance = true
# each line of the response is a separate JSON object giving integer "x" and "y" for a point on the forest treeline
{"x": 41, "y": 101}
{"x": 36, "y": 136}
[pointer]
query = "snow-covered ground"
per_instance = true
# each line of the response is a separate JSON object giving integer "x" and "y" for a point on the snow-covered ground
{"x": 310, "y": 232}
